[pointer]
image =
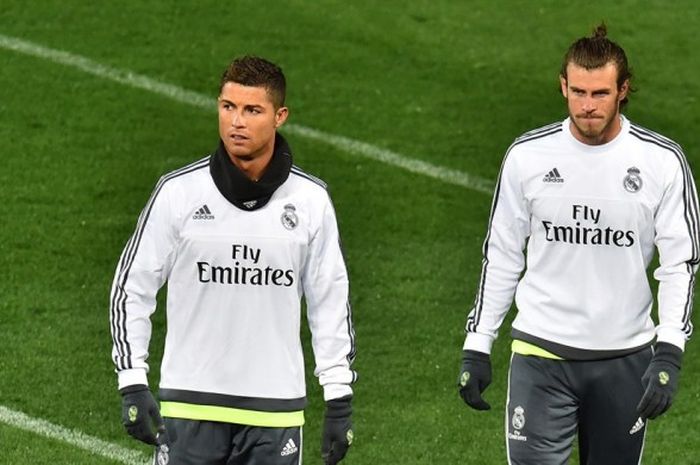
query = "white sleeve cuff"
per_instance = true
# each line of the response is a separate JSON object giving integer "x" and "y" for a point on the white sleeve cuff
{"x": 131, "y": 377}
{"x": 478, "y": 342}
{"x": 336, "y": 391}
{"x": 671, "y": 336}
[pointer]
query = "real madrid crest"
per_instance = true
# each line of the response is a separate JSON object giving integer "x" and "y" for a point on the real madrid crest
{"x": 163, "y": 455}
{"x": 518, "y": 417}
{"x": 632, "y": 182}
{"x": 289, "y": 217}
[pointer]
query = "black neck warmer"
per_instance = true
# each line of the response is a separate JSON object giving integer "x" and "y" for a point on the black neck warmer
{"x": 238, "y": 188}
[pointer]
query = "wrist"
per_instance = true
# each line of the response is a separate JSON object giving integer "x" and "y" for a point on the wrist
{"x": 673, "y": 336}
{"x": 336, "y": 391}
{"x": 478, "y": 342}
{"x": 132, "y": 376}
{"x": 664, "y": 351}
{"x": 339, "y": 408}
{"x": 133, "y": 388}
{"x": 475, "y": 356}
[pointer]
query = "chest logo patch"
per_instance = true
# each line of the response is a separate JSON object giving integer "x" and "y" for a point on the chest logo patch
{"x": 632, "y": 182}
{"x": 289, "y": 217}
{"x": 553, "y": 176}
{"x": 203, "y": 213}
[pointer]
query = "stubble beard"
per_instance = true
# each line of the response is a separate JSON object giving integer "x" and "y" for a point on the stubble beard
{"x": 593, "y": 134}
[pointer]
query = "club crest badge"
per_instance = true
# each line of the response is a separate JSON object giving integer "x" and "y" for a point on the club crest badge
{"x": 133, "y": 413}
{"x": 632, "y": 182}
{"x": 289, "y": 217}
{"x": 518, "y": 420}
{"x": 163, "y": 455}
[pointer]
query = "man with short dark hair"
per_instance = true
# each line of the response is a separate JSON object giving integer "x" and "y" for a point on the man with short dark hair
{"x": 591, "y": 199}
{"x": 239, "y": 236}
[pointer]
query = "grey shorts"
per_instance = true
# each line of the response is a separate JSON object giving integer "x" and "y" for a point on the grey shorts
{"x": 551, "y": 401}
{"x": 194, "y": 442}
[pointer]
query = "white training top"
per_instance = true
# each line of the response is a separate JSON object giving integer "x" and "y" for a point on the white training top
{"x": 590, "y": 218}
{"x": 235, "y": 280}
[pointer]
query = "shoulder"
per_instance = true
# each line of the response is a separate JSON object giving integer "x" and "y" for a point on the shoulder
{"x": 654, "y": 146}
{"x": 542, "y": 134}
{"x": 184, "y": 177}
{"x": 310, "y": 191}
{"x": 653, "y": 139}
{"x": 545, "y": 138}
{"x": 307, "y": 182}
{"x": 187, "y": 172}
{"x": 175, "y": 189}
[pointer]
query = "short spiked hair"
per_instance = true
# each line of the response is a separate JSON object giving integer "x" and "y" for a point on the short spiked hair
{"x": 257, "y": 72}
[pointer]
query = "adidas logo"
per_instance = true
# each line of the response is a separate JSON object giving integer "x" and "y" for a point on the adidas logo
{"x": 553, "y": 176}
{"x": 289, "y": 448}
{"x": 203, "y": 214}
{"x": 250, "y": 204}
{"x": 637, "y": 426}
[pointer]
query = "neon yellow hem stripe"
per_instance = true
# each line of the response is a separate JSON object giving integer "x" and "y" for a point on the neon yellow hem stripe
{"x": 525, "y": 348}
{"x": 231, "y": 415}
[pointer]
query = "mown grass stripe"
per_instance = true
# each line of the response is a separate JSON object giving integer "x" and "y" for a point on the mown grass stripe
{"x": 351, "y": 146}
{"x": 76, "y": 438}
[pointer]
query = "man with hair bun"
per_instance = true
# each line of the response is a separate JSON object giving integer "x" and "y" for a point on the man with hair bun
{"x": 240, "y": 236}
{"x": 580, "y": 208}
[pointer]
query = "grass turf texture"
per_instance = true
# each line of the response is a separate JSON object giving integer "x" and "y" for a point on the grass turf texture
{"x": 450, "y": 83}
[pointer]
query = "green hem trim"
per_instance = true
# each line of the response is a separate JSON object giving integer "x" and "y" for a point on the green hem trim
{"x": 231, "y": 415}
{"x": 525, "y": 348}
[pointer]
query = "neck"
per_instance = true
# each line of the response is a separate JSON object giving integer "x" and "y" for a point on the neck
{"x": 236, "y": 185}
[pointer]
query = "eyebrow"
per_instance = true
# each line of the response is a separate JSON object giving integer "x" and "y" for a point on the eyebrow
{"x": 250, "y": 105}
{"x": 596, "y": 91}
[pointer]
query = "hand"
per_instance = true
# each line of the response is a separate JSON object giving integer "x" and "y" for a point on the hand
{"x": 661, "y": 380}
{"x": 337, "y": 430}
{"x": 140, "y": 413}
{"x": 475, "y": 378}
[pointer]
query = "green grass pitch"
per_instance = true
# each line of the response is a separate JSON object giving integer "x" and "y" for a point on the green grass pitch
{"x": 450, "y": 83}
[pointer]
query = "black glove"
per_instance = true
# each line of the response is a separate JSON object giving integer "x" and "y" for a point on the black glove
{"x": 661, "y": 380}
{"x": 337, "y": 430}
{"x": 474, "y": 378}
{"x": 140, "y": 413}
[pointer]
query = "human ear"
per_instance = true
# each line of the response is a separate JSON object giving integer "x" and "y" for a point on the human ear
{"x": 564, "y": 87}
{"x": 281, "y": 116}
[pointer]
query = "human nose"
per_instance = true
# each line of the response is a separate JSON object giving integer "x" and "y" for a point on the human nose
{"x": 589, "y": 105}
{"x": 237, "y": 119}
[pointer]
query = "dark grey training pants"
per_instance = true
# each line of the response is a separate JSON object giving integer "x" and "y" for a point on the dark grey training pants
{"x": 549, "y": 401}
{"x": 212, "y": 443}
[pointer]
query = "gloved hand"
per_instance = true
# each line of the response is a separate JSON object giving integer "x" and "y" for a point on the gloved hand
{"x": 140, "y": 414}
{"x": 337, "y": 430}
{"x": 661, "y": 380}
{"x": 475, "y": 378}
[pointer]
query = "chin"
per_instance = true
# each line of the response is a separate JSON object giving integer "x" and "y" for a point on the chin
{"x": 238, "y": 151}
{"x": 589, "y": 131}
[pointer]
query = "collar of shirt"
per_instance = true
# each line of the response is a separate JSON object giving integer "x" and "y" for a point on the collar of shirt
{"x": 240, "y": 190}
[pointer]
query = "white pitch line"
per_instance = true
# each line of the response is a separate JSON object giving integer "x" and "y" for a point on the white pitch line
{"x": 76, "y": 438}
{"x": 355, "y": 147}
